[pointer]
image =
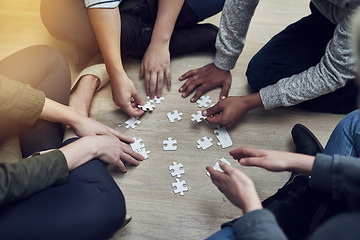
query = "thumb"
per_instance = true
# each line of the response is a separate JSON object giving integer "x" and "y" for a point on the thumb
{"x": 213, "y": 110}
{"x": 225, "y": 90}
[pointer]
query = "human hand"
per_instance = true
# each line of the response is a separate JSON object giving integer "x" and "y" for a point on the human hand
{"x": 113, "y": 151}
{"x": 154, "y": 66}
{"x": 85, "y": 126}
{"x": 125, "y": 96}
{"x": 204, "y": 79}
{"x": 236, "y": 186}
{"x": 276, "y": 161}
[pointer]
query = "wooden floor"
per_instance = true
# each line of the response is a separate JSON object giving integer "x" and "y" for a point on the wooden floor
{"x": 157, "y": 212}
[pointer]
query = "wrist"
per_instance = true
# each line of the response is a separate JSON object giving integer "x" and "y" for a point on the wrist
{"x": 253, "y": 101}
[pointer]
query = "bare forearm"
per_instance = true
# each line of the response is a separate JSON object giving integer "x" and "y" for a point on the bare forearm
{"x": 168, "y": 12}
{"x": 106, "y": 24}
{"x": 56, "y": 112}
{"x": 79, "y": 152}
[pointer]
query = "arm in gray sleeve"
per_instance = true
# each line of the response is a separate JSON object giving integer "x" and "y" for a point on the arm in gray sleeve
{"x": 339, "y": 176}
{"x": 335, "y": 68}
{"x": 258, "y": 224}
{"x": 234, "y": 24}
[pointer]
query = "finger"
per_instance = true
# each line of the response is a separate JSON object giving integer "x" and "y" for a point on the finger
{"x": 245, "y": 152}
{"x": 199, "y": 92}
{"x": 188, "y": 74}
{"x": 217, "y": 108}
{"x": 120, "y": 165}
{"x": 129, "y": 159}
{"x": 225, "y": 90}
{"x": 193, "y": 83}
{"x": 153, "y": 80}
{"x": 227, "y": 168}
{"x": 147, "y": 81}
{"x": 132, "y": 111}
{"x": 168, "y": 78}
{"x": 142, "y": 72}
{"x": 133, "y": 154}
{"x": 160, "y": 84}
{"x": 120, "y": 136}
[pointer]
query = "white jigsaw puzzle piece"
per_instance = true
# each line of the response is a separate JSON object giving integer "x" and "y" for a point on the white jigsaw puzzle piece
{"x": 180, "y": 186}
{"x": 204, "y": 101}
{"x": 217, "y": 165}
{"x": 175, "y": 115}
{"x": 137, "y": 145}
{"x": 204, "y": 143}
{"x": 169, "y": 144}
{"x": 223, "y": 137}
{"x": 147, "y": 107}
{"x": 132, "y": 122}
{"x": 144, "y": 153}
{"x": 178, "y": 169}
{"x": 156, "y": 99}
{"x": 198, "y": 116}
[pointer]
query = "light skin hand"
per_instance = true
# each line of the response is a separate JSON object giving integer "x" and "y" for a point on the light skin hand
{"x": 231, "y": 110}
{"x": 88, "y": 127}
{"x": 126, "y": 97}
{"x": 154, "y": 66}
{"x": 106, "y": 24}
{"x": 237, "y": 187}
{"x": 108, "y": 149}
{"x": 205, "y": 79}
{"x": 276, "y": 161}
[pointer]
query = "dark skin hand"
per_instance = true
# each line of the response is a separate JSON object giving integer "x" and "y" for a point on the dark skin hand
{"x": 205, "y": 79}
{"x": 231, "y": 110}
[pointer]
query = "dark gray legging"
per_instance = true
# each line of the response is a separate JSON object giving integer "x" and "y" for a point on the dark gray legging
{"x": 90, "y": 205}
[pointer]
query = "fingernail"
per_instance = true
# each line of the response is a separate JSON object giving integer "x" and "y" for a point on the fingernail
{"x": 204, "y": 113}
{"x": 181, "y": 89}
{"x": 192, "y": 100}
{"x": 183, "y": 95}
{"x": 223, "y": 97}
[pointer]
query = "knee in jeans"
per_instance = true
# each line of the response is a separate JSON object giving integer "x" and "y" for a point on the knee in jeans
{"x": 254, "y": 75}
{"x": 350, "y": 123}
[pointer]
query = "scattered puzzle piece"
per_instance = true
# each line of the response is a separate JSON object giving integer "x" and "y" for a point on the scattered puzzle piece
{"x": 137, "y": 145}
{"x": 132, "y": 122}
{"x": 178, "y": 169}
{"x": 170, "y": 144}
{"x": 217, "y": 165}
{"x": 144, "y": 153}
{"x": 156, "y": 99}
{"x": 204, "y": 101}
{"x": 223, "y": 137}
{"x": 205, "y": 143}
{"x": 147, "y": 107}
{"x": 180, "y": 186}
{"x": 175, "y": 115}
{"x": 197, "y": 117}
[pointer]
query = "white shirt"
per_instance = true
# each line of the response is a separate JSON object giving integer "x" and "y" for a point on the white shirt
{"x": 102, "y": 3}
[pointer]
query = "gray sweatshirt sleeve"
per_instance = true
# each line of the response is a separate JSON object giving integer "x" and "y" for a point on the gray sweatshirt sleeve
{"x": 234, "y": 24}
{"x": 335, "y": 68}
{"x": 258, "y": 224}
{"x": 338, "y": 176}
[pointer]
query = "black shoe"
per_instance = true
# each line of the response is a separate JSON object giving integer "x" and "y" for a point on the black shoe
{"x": 305, "y": 141}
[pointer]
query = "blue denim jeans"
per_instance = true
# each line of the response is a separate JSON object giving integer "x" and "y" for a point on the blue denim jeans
{"x": 345, "y": 139}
